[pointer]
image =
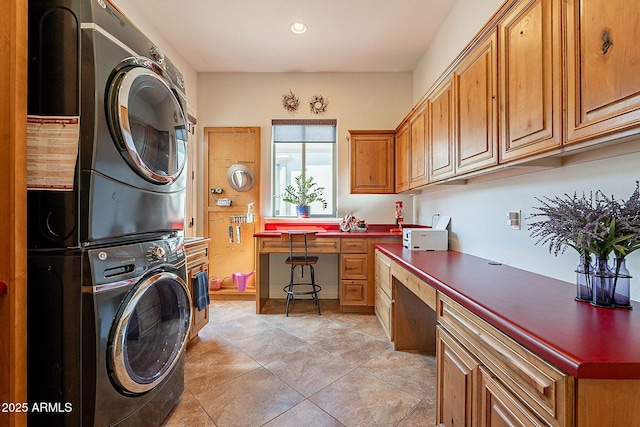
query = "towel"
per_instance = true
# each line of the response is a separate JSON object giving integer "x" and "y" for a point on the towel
{"x": 201, "y": 290}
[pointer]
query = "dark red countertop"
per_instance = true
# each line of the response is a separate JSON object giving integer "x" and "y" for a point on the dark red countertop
{"x": 538, "y": 312}
{"x": 328, "y": 230}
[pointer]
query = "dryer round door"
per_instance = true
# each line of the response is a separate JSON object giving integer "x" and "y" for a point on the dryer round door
{"x": 147, "y": 120}
{"x": 149, "y": 333}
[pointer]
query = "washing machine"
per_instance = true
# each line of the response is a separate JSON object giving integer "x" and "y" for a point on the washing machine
{"x": 107, "y": 333}
{"x": 92, "y": 71}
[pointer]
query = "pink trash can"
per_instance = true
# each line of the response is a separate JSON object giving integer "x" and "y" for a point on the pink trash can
{"x": 241, "y": 280}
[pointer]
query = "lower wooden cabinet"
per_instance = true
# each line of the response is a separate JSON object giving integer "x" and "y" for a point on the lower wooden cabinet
{"x": 457, "y": 382}
{"x": 499, "y": 407}
{"x": 506, "y": 383}
{"x": 354, "y": 273}
{"x": 197, "y": 254}
{"x": 384, "y": 295}
{"x": 357, "y": 272}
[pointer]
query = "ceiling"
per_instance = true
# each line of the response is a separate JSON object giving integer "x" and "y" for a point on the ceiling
{"x": 342, "y": 36}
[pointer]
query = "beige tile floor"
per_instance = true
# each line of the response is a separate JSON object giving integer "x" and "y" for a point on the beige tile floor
{"x": 270, "y": 370}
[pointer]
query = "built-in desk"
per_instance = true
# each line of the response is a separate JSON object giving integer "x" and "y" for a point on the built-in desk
{"x": 515, "y": 343}
{"x": 356, "y": 259}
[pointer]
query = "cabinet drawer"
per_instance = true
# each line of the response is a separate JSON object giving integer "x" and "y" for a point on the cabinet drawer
{"x": 545, "y": 389}
{"x": 354, "y": 246}
{"x": 197, "y": 253}
{"x": 353, "y": 266}
{"x": 420, "y": 288}
{"x": 501, "y": 407}
{"x": 383, "y": 311}
{"x": 277, "y": 245}
{"x": 383, "y": 273}
{"x": 354, "y": 292}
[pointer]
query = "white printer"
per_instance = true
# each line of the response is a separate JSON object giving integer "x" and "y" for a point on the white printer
{"x": 428, "y": 239}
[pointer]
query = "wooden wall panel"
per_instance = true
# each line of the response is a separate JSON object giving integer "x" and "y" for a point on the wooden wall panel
{"x": 13, "y": 264}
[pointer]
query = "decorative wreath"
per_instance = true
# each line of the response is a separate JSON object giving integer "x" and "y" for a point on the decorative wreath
{"x": 318, "y": 104}
{"x": 290, "y": 101}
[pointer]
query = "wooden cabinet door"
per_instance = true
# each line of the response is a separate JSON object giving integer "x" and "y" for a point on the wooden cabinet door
{"x": 372, "y": 160}
{"x": 603, "y": 68}
{"x": 418, "y": 156}
{"x": 457, "y": 383}
{"x": 402, "y": 158}
{"x": 477, "y": 108}
{"x": 498, "y": 407}
{"x": 199, "y": 318}
{"x": 441, "y": 140}
{"x": 383, "y": 273}
{"x": 354, "y": 293}
{"x": 383, "y": 311}
{"x": 353, "y": 266}
{"x": 530, "y": 79}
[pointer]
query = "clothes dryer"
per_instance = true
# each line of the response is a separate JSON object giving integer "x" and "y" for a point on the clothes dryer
{"x": 107, "y": 332}
{"x": 88, "y": 62}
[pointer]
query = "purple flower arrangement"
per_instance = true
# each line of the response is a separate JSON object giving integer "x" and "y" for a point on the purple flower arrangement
{"x": 596, "y": 227}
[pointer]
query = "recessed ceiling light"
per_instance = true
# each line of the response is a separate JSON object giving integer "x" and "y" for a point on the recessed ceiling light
{"x": 298, "y": 28}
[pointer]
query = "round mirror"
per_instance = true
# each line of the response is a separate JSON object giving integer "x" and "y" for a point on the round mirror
{"x": 240, "y": 178}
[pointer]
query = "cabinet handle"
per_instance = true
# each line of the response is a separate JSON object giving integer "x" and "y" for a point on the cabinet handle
{"x": 606, "y": 42}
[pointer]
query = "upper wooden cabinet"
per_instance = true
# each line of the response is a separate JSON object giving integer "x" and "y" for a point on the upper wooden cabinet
{"x": 530, "y": 79}
{"x": 418, "y": 143}
{"x": 372, "y": 161}
{"x": 441, "y": 134}
{"x": 477, "y": 107}
{"x": 603, "y": 68}
{"x": 402, "y": 157}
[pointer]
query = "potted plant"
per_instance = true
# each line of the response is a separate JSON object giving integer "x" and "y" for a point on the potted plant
{"x": 302, "y": 194}
{"x": 595, "y": 227}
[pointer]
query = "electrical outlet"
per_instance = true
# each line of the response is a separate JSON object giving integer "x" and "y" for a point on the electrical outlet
{"x": 513, "y": 219}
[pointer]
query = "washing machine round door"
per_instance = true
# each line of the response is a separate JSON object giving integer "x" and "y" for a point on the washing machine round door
{"x": 147, "y": 121}
{"x": 149, "y": 333}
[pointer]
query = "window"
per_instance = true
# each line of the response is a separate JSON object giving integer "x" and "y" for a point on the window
{"x": 306, "y": 147}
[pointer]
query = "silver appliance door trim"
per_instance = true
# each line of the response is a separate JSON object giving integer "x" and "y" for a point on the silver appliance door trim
{"x": 120, "y": 88}
{"x": 120, "y": 365}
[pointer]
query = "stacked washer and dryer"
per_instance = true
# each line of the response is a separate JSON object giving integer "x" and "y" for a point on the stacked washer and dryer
{"x": 108, "y": 305}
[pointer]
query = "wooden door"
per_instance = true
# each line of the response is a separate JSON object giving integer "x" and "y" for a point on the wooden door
{"x": 477, "y": 108}
{"x": 232, "y": 244}
{"x": 457, "y": 383}
{"x": 13, "y": 194}
{"x": 441, "y": 141}
{"x": 530, "y": 79}
{"x": 372, "y": 159}
{"x": 498, "y": 407}
{"x": 603, "y": 68}
{"x": 402, "y": 158}
{"x": 418, "y": 125}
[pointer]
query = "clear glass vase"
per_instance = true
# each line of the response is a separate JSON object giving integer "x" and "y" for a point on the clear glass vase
{"x": 622, "y": 284}
{"x": 602, "y": 279}
{"x": 583, "y": 280}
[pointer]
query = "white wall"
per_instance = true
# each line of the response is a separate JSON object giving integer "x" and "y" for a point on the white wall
{"x": 129, "y": 8}
{"x": 479, "y": 209}
{"x": 356, "y": 100}
{"x": 463, "y": 23}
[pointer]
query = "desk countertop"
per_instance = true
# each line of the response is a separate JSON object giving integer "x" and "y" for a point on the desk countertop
{"x": 328, "y": 230}
{"x": 538, "y": 312}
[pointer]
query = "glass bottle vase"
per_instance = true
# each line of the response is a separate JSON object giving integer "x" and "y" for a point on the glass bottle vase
{"x": 583, "y": 280}
{"x": 602, "y": 279}
{"x": 622, "y": 284}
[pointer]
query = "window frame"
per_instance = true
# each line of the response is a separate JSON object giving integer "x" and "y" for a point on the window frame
{"x": 329, "y": 213}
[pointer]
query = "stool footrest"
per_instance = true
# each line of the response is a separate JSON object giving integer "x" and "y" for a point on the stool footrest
{"x": 313, "y": 288}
